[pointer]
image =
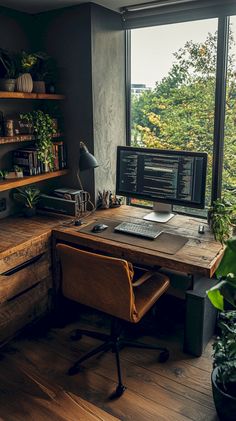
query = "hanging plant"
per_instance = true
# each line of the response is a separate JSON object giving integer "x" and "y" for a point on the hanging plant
{"x": 43, "y": 129}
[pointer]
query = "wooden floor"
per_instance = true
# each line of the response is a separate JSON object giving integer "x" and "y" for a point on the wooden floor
{"x": 34, "y": 385}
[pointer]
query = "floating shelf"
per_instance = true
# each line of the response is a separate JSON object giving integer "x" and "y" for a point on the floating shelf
{"x": 22, "y": 138}
{"x": 24, "y": 95}
{"x": 20, "y": 182}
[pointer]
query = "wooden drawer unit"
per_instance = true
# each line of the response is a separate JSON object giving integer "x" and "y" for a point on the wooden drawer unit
{"x": 25, "y": 280}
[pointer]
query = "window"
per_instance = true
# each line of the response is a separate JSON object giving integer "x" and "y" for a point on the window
{"x": 173, "y": 94}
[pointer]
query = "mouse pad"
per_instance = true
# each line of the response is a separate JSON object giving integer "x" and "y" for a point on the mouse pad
{"x": 165, "y": 242}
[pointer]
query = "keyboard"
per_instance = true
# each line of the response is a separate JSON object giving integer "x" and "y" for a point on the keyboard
{"x": 139, "y": 229}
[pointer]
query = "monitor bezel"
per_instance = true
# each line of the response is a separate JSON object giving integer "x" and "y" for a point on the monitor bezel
{"x": 164, "y": 152}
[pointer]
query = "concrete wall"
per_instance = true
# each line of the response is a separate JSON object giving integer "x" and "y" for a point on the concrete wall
{"x": 108, "y": 78}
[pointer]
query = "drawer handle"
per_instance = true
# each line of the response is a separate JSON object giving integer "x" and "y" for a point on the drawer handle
{"x": 23, "y": 265}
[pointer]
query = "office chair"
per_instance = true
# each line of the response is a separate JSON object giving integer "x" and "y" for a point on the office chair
{"x": 105, "y": 283}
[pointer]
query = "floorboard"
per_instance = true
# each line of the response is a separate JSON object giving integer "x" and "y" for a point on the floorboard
{"x": 34, "y": 384}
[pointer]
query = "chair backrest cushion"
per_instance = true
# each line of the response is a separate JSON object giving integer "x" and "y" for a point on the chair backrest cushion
{"x": 100, "y": 282}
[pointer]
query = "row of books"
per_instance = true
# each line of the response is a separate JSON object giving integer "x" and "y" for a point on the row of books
{"x": 27, "y": 159}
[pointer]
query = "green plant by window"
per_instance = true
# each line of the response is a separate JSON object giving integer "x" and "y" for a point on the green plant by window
{"x": 221, "y": 216}
{"x": 43, "y": 129}
{"x": 28, "y": 196}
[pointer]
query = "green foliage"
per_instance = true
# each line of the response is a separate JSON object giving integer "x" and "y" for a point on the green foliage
{"x": 224, "y": 353}
{"x": 43, "y": 130}
{"x": 28, "y": 196}
{"x": 220, "y": 216}
{"x": 28, "y": 60}
{"x": 9, "y": 64}
{"x": 179, "y": 112}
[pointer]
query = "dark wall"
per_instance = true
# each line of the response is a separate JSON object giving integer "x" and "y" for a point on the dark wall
{"x": 66, "y": 35}
{"x": 108, "y": 76}
{"x": 15, "y": 30}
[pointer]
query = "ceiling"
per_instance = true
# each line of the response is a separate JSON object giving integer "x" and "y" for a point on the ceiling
{"x": 36, "y": 6}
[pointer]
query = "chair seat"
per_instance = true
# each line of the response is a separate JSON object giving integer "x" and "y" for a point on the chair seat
{"x": 148, "y": 293}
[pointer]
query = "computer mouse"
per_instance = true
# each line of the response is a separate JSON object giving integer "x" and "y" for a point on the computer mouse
{"x": 99, "y": 227}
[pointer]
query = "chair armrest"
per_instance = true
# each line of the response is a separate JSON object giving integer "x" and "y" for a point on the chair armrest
{"x": 143, "y": 279}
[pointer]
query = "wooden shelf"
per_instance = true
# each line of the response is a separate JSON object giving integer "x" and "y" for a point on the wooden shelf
{"x": 23, "y": 138}
{"x": 20, "y": 182}
{"x": 24, "y": 95}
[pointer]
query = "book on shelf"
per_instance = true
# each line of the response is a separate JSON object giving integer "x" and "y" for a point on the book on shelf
{"x": 28, "y": 159}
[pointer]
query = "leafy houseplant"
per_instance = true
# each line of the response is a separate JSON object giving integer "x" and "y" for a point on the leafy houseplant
{"x": 28, "y": 197}
{"x": 220, "y": 217}
{"x": 224, "y": 348}
{"x": 8, "y": 70}
{"x": 43, "y": 129}
{"x": 24, "y": 82}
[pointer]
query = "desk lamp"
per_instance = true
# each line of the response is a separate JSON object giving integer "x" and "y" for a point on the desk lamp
{"x": 86, "y": 162}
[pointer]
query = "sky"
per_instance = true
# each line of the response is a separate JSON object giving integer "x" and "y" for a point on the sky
{"x": 152, "y": 48}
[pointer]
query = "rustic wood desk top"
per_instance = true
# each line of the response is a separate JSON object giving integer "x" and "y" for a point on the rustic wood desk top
{"x": 200, "y": 255}
{"x": 19, "y": 232}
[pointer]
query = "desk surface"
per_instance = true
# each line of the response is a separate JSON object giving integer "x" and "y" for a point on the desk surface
{"x": 200, "y": 255}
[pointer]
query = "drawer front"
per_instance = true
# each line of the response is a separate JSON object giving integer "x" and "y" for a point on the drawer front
{"x": 24, "y": 276}
{"x": 23, "y": 309}
{"x": 25, "y": 252}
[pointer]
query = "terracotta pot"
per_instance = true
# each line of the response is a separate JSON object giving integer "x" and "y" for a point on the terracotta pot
{"x": 7, "y": 85}
{"x": 39, "y": 87}
{"x": 24, "y": 83}
{"x": 225, "y": 404}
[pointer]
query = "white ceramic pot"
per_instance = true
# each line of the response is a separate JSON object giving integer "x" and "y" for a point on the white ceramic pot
{"x": 24, "y": 83}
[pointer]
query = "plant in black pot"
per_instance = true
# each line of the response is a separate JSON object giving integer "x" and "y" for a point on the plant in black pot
{"x": 221, "y": 218}
{"x": 9, "y": 70}
{"x": 223, "y": 297}
{"x": 28, "y": 197}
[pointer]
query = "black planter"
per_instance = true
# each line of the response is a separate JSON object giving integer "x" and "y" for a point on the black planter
{"x": 224, "y": 403}
{"x": 29, "y": 212}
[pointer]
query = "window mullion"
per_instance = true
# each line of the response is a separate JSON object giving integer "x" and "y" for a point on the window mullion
{"x": 220, "y": 95}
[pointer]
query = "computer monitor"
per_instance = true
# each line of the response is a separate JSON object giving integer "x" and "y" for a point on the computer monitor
{"x": 164, "y": 177}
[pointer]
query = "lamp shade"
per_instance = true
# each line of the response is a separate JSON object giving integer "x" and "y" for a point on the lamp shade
{"x": 87, "y": 160}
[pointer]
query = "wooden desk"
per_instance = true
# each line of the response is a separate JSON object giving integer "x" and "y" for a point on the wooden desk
{"x": 198, "y": 258}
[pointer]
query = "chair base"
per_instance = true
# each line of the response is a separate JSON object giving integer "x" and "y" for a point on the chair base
{"x": 114, "y": 343}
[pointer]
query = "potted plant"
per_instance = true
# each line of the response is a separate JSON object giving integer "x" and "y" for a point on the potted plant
{"x": 43, "y": 129}
{"x": 8, "y": 70}
{"x": 221, "y": 216}
{"x": 39, "y": 72}
{"x": 24, "y": 83}
{"x": 28, "y": 197}
{"x": 3, "y": 175}
{"x": 223, "y": 297}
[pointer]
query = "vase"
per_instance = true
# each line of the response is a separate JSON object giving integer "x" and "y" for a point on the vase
{"x": 225, "y": 404}
{"x": 24, "y": 83}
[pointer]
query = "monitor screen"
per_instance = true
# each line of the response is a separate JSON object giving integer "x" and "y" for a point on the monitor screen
{"x": 173, "y": 177}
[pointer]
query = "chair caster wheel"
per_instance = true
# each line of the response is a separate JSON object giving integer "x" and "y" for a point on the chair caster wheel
{"x": 76, "y": 336}
{"x": 118, "y": 392}
{"x": 164, "y": 356}
{"x": 73, "y": 370}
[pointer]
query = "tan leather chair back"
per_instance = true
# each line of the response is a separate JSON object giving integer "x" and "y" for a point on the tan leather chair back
{"x": 100, "y": 282}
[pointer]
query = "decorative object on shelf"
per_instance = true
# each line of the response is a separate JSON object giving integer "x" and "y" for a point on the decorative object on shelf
{"x": 108, "y": 200}
{"x": 9, "y": 127}
{"x": 221, "y": 217}
{"x": 24, "y": 83}
{"x": 2, "y": 125}
{"x": 17, "y": 173}
{"x": 43, "y": 130}
{"x": 8, "y": 70}
{"x": 223, "y": 297}
{"x": 3, "y": 175}
{"x": 28, "y": 197}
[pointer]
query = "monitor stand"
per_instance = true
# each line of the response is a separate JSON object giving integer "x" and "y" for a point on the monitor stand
{"x": 161, "y": 213}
